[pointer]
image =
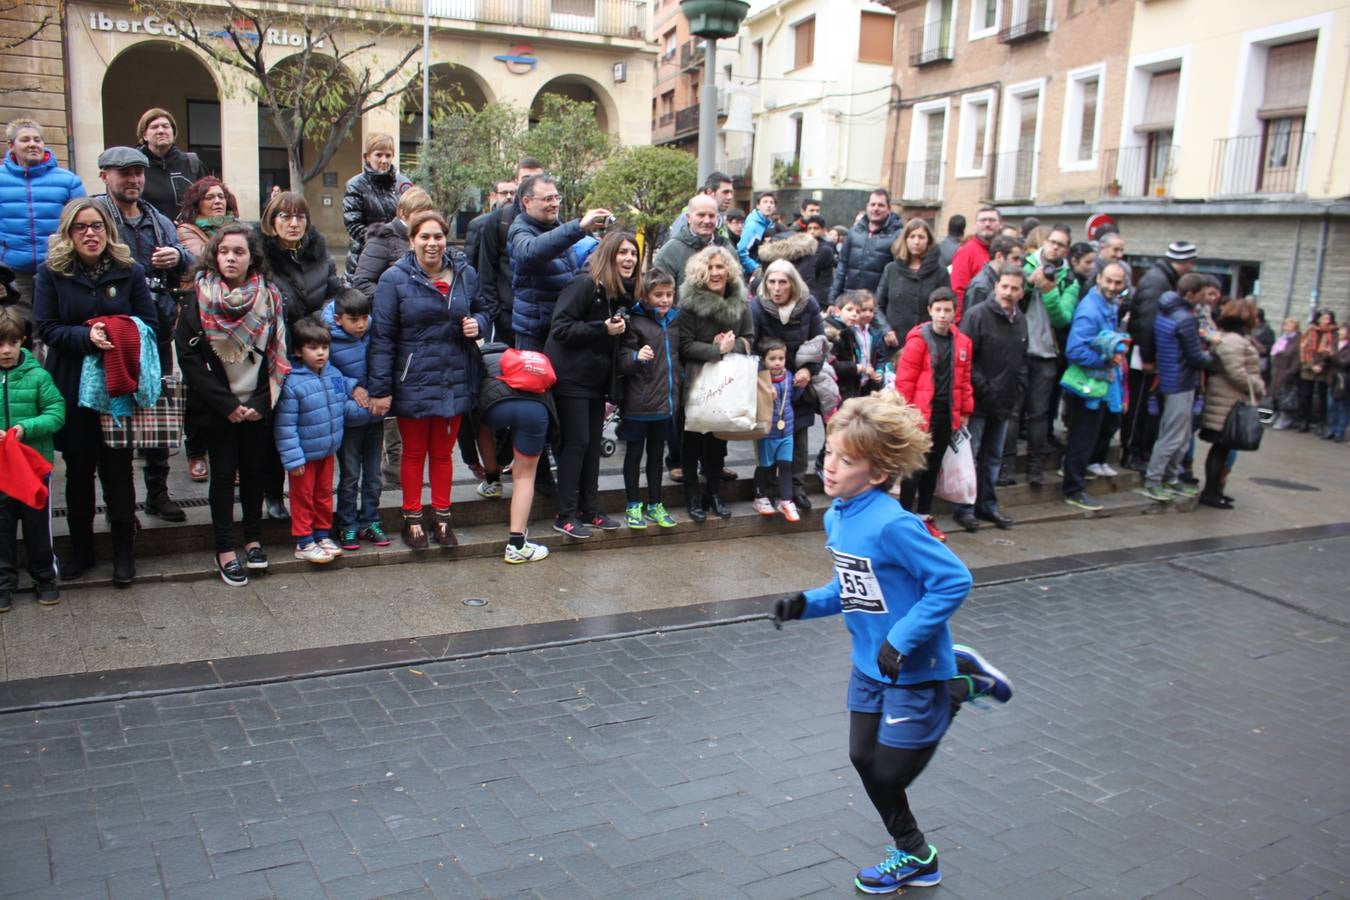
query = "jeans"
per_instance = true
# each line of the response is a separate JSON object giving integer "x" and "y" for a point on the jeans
{"x": 528, "y": 342}
{"x": 243, "y": 447}
{"x": 1312, "y": 400}
{"x": 1338, "y": 416}
{"x": 1085, "y": 426}
{"x": 360, "y": 478}
{"x": 1174, "y": 434}
{"x": 987, "y": 434}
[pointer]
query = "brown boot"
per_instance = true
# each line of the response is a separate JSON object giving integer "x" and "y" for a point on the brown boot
{"x": 414, "y": 534}
{"x": 444, "y": 536}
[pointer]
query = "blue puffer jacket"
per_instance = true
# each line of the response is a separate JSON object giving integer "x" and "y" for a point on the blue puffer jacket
{"x": 418, "y": 354}
{"x": 543, "y": 261}
{"x": 31, "y": 201}
{"x": 307, "y": 421}
{"x": 348, "y": 355}
{"x": 1176, "y": 338}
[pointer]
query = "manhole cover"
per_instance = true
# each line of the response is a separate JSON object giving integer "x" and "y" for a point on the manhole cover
{"x": 1284, "y": 485}
{"x": 474, "y": 601}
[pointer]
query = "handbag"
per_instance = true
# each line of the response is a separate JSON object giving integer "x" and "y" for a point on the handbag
{"x": 1083, "y": 383}
{"x": 764, "y": 401}
{"x": 956, "y": 482}
{"x": 157, "y": 427}
{"x": 723, "y": 396}
{"x": 1242, "y": 429}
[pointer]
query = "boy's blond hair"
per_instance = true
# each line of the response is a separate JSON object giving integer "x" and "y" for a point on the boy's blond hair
{"x": 884, "y": 430}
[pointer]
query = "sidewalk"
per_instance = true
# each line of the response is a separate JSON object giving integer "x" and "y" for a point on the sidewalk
{"x": 1169, "y": 736}
{"x": 1294, "y": 481}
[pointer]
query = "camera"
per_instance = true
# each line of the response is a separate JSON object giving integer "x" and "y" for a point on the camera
{"x": 156, "y": 283}
{"x": 1050, "y": 270}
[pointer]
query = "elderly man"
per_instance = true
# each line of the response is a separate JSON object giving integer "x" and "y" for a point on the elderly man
{"x": 170, "y": 171}
{"x": 722, "y": 190}
{"x": 154, "y": 243}
{"x": 699, "y": 231}
{"x": 33, "y": 191}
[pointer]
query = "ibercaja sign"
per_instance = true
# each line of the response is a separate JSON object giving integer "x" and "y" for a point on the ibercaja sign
{"x": 157, "y": 27}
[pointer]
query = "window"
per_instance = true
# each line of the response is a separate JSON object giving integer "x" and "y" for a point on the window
{"x": 1288, "y": 80}
{"x": 876, "y": 38}
{"x": 984, "y": 19}
{"x": 1019, "y": 142}
{"x": 1160, "y": 104}
{"x": 1079, "y": 137}
{"x": 937, "y": 31}
{"x": 668, "y": 43}
{"x": 758, "y": 52}
{"x": 804, "y": 53}
{"x": 972, "y": 144}
{"x": 927, "y": 150}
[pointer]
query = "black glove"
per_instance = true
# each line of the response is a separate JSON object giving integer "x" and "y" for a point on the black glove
{"x": 789, "y": 606}
{"x": 888, "y": 661}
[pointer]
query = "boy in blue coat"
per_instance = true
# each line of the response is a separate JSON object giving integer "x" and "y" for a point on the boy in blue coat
{"x": 897, "y": 587}
{"x": 307, "y": 423}
{"x": 360, "y": 479}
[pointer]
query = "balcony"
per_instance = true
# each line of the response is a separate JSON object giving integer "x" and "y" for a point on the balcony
{"x": 1032, "y": 21}
{"x": 692, "y": 54}
{"x": 933, "y": 44}
{"x": 739, "y": 170}
{"x": 787, "y": 170}
{"x": 1012, "y": 177}
{"x": 666, "y": 119}
{"x": 686, "y": 121}
{"x": 1272, "y": 163}
{"x": 1129, "y": 174}
{"x": 920, "y": 182}
{"x": 610, "y": 18}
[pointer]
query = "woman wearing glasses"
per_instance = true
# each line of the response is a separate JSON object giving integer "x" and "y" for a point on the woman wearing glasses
{"x": 88, "y": 275}
{"x": 297, "y": 257}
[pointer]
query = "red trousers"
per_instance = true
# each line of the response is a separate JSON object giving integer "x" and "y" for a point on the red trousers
{"x": 312, "y": 498}
{"x": 427, "y": 444}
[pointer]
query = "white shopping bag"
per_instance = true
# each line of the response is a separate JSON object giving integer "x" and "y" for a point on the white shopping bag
{"x": 724, "y": 396}
{"x": 956, "y": 479}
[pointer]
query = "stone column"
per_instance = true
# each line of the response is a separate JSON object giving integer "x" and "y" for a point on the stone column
{"x": 239, "y": 126}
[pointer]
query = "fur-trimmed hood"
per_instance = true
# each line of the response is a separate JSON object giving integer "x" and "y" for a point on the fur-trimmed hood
{"x": 697, "y": 301}
{"x": 793, "y": 247}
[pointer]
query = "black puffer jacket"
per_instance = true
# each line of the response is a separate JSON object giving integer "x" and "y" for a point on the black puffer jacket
{"x": 902, "y": 295}
{"x": 370, "y": 198}
{"x": 306, "y": 276}
{"x": 998, "y": 348}
{"x": 1143, "y": 306}
{"x": 385, "y": 245}
{"x": 864, "y": 257}
{"x": 579, "y": 346}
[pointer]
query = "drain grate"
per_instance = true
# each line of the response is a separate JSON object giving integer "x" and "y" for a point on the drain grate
{"x": 1281, "y": 484}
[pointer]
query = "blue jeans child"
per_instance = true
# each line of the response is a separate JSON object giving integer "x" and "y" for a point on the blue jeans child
{"x": 359, "y": 468}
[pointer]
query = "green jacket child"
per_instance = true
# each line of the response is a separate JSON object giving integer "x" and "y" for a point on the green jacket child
{"x": 29, "y": 398}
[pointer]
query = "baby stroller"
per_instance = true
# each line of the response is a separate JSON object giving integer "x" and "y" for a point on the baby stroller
{"x": 609, "y": 431}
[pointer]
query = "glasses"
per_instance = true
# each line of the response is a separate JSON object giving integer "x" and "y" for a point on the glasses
{"x": 82, "y": 227}
{"x": 551, "y": 198}
{"x": 293, "y": 217}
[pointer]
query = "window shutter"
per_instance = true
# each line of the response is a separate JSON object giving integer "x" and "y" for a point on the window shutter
{"x": 805, "y": 32}
{"x": 1288, "y": 80}
{"x": 876, "y": 38}
{"x": 1160, "y": 107}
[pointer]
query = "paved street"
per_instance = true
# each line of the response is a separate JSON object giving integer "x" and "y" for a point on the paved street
{"x": 1176, "y": 732}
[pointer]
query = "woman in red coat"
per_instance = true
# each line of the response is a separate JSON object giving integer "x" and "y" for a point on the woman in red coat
{"x": 933, "y": 373}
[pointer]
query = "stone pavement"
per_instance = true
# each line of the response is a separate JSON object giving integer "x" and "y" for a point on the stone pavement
{"x": 1176, "y": 732}
{"x": 1291, "y": 483}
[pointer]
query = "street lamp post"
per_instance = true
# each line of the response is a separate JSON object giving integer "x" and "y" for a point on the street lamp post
{"x": 710, "y": 20}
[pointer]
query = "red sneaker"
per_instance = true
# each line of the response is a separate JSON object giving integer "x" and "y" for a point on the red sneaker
{"x": 934, "y": 530}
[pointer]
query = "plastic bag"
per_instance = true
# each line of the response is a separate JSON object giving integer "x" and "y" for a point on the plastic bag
{"x": 956, "y": 479}
{"x": 724, "y": 396}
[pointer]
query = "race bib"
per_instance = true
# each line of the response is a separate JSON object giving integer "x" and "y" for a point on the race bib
{"x": 859, "y": 590}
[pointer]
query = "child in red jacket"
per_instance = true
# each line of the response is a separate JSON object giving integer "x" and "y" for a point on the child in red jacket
{"x": 932, "y": 371}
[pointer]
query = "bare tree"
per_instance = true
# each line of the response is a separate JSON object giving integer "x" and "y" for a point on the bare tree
{"x": 320, "y": 92}
{"x": 32, "y": 31}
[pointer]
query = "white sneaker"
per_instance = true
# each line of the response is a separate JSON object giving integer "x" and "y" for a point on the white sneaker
{"x": 528, "y": 553}
{"x": 763, "y": 506}
{"x": 1094, "y": 470}
{"x": 313, "y": 553}
{"x": 331, "y": 547}
{"x": 789, "y": 510}
{"x": 1105, "y": 470}
{"x": 490, "y": 490}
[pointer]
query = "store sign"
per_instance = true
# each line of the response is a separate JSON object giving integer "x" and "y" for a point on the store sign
{"x": 520, "y": 61}
{"x": 156, "y": 27}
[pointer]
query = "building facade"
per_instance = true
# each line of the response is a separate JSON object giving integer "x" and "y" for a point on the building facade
{"x": 1214, "y": 122}
{"x": 122, "y": 61}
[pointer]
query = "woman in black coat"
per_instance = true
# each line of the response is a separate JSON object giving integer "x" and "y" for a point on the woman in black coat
{"x": 372, "y": 195}
{"x": 582, "y": 342}
{"x": 907, "y": 283}
{"x": 297, "y": 257}
{"x": 87, "y": 275}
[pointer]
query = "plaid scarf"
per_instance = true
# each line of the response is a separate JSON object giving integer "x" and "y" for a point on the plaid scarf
{"x": 235, "y": 319}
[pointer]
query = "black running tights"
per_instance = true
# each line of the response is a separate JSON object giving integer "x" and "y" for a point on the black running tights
{"x": 654, "y": 445}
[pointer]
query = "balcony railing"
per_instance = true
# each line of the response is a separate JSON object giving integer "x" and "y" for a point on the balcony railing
{"x": 692, "y": 54}
{"x": 787, "y": 169}
{"x": 1134, "y": 173}
{"x": 739, "y": 170}
{"x": 666, "y": 119}
{"x": 1012, "y": 176}
{"x": 686, "y": 120}
{"x": 1272, "y": 163}
{"x": 1032, "y": 23}
{"x": 933, "y": 43}
{"x": 612, "y": 18}
{"x": 920, "y": 182}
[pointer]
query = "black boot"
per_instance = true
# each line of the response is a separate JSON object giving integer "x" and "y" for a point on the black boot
{"x": 693, "y": 504}
{"x": 80, "y": 559}
{"x": 713, "y": 503}
{"x": 124, "y": 556}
